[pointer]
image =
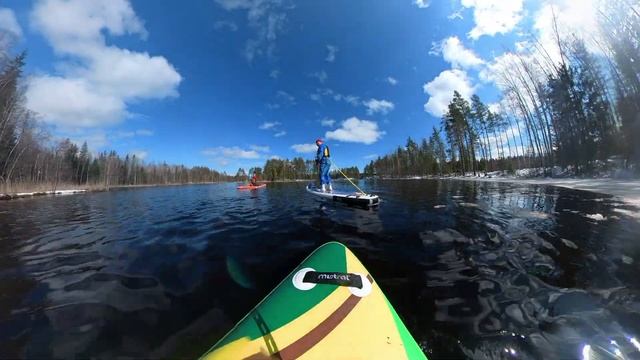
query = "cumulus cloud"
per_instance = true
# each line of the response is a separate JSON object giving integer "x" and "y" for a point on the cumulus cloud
{"x": 378, "y": 106}
{"x": 423, "y": 4}
{"x": 335, "y": 96}
{"x": 320, "y": 75}
{"x": 327, "y": 122}
{"x": 392, "y": 80}
{"x": 267, "y": 18}
{"x": 234, "y": 152}
{"x": 9, "y": 24}
{"x": 440, "y": 90}
{"x": 304, "y": 148}
{"x": 454, "y": 52}
{"x": 357, "y": 131}
{"x": 493, "y": 17}
{"x": 225, "y": 25}
{"x": 144, "y": 132}
{"x": 267, "y": 125}
{"x": 574, "y": 18}
{"x": 273, "y": 126}
{"x": 140, "y": 154}
{"x": 285, "y": 98}
{"x": 259, "y": 148}
{"x": 100, "y": 80}
{"x": 331, "y": 53}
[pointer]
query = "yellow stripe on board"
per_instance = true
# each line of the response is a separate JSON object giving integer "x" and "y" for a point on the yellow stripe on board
{"x": 286, "y": 335}
{"x": 368, "y": 332}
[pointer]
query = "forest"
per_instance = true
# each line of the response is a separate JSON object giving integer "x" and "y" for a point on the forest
{"x": 295, "y": 169}
{"x": 30, "y": 160}
{"x": 579, "y": 114}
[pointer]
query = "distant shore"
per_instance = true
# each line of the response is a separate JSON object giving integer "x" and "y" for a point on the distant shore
{"x": 627, "y": 190}
{"x": 69, "y": 189}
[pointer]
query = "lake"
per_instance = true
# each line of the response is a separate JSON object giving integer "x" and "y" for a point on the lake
{"x": 475, "y": 269}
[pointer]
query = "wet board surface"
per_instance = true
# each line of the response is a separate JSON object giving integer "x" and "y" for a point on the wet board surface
{"x": 352, "y": 198}
{"x": 329, "y": 307}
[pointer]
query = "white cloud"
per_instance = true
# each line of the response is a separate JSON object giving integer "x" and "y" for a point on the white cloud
{"x": 456, "y": 15}
{"x": 144, "y": 132}
{"x": 266, "y": 17}
{"x": 231, "y": 153}
{"x": 440, "y": 90}
{"x": 140, "y": 154}
{"x": 356, "y": 130}
{"x": 275, "y": 157}
{"x": 331, "y": 53}
{"x": 392, "y": 80}
{"x": 371, "y": 156}
{"x": 274, "y": 74}
{"x": 9, "y": 23}
{"x": 225, "y": 25}
{"x": 280, "y": 134}
{"x": 304, "y": 148}
{"x": 285, "y": 98}
{"x": 320, "y": 75}
{"x": 327, "y": 122}
{"x": 326, "y": 92}
{"x": 72, "y": 102}
{"x": 494, "y": 16}
{"x": 574, "y": 18}
{"x": 423, "y": 4}
{"x": 259, "y": 148}
{"x": 494, "y": 107}
{"x": 98, "y": 80}
{"x": 454, "y": 52}
{"x": 267, "y": 125}
{"x": 378, "y": 106}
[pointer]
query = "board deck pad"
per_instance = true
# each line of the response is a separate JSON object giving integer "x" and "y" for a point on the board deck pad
{"x": 321, "y": 320}
{"x": 351, "y": 198}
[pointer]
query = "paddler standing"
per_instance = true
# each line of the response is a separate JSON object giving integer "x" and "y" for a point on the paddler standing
{"x": 323, "y": 163}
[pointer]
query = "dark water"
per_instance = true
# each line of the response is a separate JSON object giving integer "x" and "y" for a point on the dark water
{"x": 475, "y": 269}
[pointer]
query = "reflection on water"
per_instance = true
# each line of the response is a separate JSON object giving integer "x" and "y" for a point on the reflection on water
{"x": 475, "y": 269}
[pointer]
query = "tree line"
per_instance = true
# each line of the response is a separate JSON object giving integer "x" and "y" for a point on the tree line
{"x": 579, "y": 112}
{"x": 31, "y": 160}
{"x": 294, "y": 169}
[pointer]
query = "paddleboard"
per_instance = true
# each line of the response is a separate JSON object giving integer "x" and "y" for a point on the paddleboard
{"x": 251, "y": 187}
{"x": 329, "y": 307}
{"x": 351, "y": 198}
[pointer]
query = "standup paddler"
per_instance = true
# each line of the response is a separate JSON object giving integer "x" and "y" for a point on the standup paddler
{"x": 323, "y": 162}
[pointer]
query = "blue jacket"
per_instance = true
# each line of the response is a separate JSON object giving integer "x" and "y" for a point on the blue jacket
{"x": 323, "y": 153}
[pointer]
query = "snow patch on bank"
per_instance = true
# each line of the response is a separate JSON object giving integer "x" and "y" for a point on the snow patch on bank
{"x": 40, "y": 193}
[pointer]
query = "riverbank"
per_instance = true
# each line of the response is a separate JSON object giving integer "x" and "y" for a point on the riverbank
{"x": 627, "y": 190}
{"x": 69, "y": 189}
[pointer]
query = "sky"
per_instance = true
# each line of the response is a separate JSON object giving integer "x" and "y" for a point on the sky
{"x": 232, "y": 83}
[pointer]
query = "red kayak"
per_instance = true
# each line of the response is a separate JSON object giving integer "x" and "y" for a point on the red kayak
{"x": 251, "y": 187}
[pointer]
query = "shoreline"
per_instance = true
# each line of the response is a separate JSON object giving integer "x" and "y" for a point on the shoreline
{"x": 626, "y": 190}
{"x": 75, "y": 189}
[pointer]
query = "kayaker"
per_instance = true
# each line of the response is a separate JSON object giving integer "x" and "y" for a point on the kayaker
{"x": 254, "y": 180}
{"x": 323, "y": 162}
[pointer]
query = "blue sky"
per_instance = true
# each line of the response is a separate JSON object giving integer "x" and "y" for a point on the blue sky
{"x": 230, "y": 83}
